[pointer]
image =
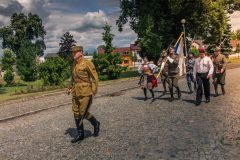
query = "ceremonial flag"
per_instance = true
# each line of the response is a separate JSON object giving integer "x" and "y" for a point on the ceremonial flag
{"x": 178, "y": 49}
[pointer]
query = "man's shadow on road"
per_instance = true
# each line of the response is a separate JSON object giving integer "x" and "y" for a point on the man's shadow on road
{"x": 72, "y": 132}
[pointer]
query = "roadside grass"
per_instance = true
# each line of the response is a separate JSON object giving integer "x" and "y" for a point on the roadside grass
{"x": 234, "y": 60}
{"x": 23, "y": 89}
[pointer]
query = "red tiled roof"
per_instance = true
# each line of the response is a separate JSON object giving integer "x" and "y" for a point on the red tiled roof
{"x": 122, "y": 50}
{"x": 135, "y": 47}
{"x": 234, "y": 43}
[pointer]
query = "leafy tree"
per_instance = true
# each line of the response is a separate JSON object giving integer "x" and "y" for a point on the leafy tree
{"x": 66, "y": 43}
{"x": 8, "y": 59}
{"x": 25, "y": 37}
{"x": 238, "y": 34}
{"x": 133, "y": 57}
{"x": 226, "y": 45}
{"x": 157, "y": 23}
{"x": 23, "y": 27}
{"x": 107, "y": 37}
{"x": 54, "y": 71}
{"x": 238, "y": 48}
{"x": 107, "y": 64}
{"x": 8, "y": 77}
{"x": 26, "y": 63}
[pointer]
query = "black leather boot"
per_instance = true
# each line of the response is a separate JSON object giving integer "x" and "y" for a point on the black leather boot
{"x": 216, "y": 90}
{"x": 171, "y": 93}
{"x": 80, "y": 132}
{"x": 223, "y": 89}
{"x": 145, "y": 93}
{"x": 179, "y": 93}
{"x": 96, "y": 125}
{"x": 152, "y": 93}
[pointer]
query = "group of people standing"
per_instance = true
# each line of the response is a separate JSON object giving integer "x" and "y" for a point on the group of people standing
{"x": 199, "y": 71}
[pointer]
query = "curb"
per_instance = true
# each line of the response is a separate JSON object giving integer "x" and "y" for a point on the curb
{"x": 22, "y": 99}
{"x": 60, "y": 105}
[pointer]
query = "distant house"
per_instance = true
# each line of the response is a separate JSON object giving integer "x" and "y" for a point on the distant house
{"x": 234, "y": 44}
{"x": 127, "y": 53}
{"x": 126, "y": 56}
{"x": 198, "y": 44}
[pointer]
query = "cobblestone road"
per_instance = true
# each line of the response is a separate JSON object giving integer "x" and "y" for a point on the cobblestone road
{"x": 133, "y": 129}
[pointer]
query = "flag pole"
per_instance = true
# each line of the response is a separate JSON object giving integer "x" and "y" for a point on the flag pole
{"x": 178, "y": 39}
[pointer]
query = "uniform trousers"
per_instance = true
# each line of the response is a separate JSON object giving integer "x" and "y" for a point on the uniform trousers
{"x": 202, "y": 83}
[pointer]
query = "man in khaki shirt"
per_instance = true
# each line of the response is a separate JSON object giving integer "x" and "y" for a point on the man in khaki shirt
{"x": 84, "y": 83}
{"x": 219, "y": 74}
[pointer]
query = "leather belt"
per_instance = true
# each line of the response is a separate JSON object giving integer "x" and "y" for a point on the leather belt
{"x": 81, "y": 81}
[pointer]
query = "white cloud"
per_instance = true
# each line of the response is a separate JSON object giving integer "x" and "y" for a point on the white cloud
{"x": 86, "y": 27}
{"x": 235, "y": 20}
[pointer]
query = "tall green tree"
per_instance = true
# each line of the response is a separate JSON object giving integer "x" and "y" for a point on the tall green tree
{"x": 26, "y": 63}
{"x": 25, "y": 37}
{"x": 206, "y": 19}
{"x": 23, "y": 27}
{"x": 226, "y": 44}
{"x": 108, "y": 64}
{"x": 66, "y": 43}
{"x": 8, "y": 59}
{"x": 107, "y": 37}
{"x": 238, "y": 34}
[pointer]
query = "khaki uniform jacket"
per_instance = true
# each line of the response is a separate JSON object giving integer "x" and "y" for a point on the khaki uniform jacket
{"x": 165, "y": 68}
{"x": 84, "y": 78}
{"x": 219, "y": 62}
{"x": 173, "y": 69}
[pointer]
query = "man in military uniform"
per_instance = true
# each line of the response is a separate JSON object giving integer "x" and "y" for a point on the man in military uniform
{"x": 173, "y": 71}
{"x": 220, "y": 63}
{"x": 163, "y": 69}
{"x": 84, "y": 83}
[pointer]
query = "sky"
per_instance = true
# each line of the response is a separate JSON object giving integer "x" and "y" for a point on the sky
{"x": 82, "y": 18}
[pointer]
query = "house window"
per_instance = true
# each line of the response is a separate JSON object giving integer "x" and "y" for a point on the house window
{"x": 126, "y": 61}
{"x": 125, "y": 53}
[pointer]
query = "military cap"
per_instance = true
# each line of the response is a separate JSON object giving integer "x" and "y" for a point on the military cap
{"x": 217, "y": 49}
{"x": 77, "y": 48}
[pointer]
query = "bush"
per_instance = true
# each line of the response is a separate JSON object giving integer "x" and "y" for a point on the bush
{"x": 26, "y": 63}
{"x": 8, "y": 77}
{"x": 108, "y": 65}
{"x": 54, "y": 71}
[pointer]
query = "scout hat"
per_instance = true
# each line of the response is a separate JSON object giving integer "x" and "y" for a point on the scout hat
{"x": 77, "y": 48}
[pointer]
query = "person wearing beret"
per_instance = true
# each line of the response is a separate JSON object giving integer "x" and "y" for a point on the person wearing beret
{"x": 202, "y": 72}
{"x": 83, "y": 86}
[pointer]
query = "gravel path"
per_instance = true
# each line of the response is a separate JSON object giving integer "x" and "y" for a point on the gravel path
{"x": 133, "y": 129}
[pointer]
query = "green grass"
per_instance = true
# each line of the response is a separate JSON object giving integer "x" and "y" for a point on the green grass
{"x": 129, "y": 74}
{"x": 234, "y": 60}
{"x": 23, "y": 89}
